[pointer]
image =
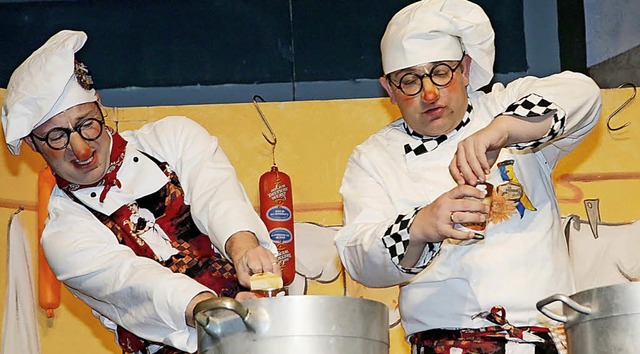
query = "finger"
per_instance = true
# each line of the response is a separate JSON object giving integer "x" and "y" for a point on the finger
{"x": 253, "y": 265}
{"x": 485, "y": 165}
{"x": 475, "y": 206}
{"x": 244, "y": 278}
{"x": 462, "y": 164}
{"x": 275, "y": 268}
{"x": 460, "y": 235}
{"x": 477, "y": 161}
{"x": 245, "y": 295}
{"x": 465, "y": 217}
{"x": 464, "y": 191}
{"x": 455, "y": 171}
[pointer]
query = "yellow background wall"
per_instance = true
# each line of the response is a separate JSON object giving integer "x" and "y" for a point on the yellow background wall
{"x": 315, "y": 139}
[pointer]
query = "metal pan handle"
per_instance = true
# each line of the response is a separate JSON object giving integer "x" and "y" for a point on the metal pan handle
{"x": 541, "y": 306}
{"x": 217, "y": 303}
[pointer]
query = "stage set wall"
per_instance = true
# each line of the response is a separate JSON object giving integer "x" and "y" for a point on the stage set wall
{"x": 314, "y": 141}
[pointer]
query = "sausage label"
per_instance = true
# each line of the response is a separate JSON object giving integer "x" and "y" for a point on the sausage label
{"x": 280, "y": 235}
{"x": 279, "y": 213}
{"x": 279, "y": 192}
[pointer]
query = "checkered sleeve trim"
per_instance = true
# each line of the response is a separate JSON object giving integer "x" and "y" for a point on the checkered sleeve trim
{"x": 533, "y": 105}
{"x": 396, "y": 240}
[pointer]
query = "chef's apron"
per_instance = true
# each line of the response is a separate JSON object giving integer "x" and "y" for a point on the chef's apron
{"x": 195, "y": 255}
{"x": 503, "y": 338}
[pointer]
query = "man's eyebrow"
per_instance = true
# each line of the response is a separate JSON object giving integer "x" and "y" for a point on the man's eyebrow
{"x": 90, "y": 114}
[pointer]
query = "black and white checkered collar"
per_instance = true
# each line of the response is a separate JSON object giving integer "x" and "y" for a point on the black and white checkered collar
{"x": 424, "y": 144}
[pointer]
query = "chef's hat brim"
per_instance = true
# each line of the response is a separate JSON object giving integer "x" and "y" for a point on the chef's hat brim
{"x": 43, "y": 86}
{"x": 440, "y": 30}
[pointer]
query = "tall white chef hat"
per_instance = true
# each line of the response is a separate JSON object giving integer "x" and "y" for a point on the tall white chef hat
{"x": 48, "y": 82}
{"x": 440, "y": 30}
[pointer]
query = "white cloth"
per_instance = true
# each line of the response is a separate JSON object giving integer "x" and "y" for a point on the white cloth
{"x": 43, "y": 86}
{"x": 19, "y": 325}
{"x": 520, "y": 262}
{"x": 136, "y": 292}
{"x": 610, "y": 259}
{"x": 316, "y": 257}
{"x": 434, "y": 30}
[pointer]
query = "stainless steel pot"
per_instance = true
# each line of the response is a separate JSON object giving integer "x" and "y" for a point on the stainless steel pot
{"x": 310, "y": 324}
{"x": 600, "y": 320}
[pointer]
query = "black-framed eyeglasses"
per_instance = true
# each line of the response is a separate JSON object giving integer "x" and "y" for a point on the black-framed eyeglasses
{"x": 89, "y": 129}
{"x": 440, "y": 75}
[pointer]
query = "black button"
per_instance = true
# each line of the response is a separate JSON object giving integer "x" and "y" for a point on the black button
{"x": 135, "y": 159}
{"x": 93, "y": 194}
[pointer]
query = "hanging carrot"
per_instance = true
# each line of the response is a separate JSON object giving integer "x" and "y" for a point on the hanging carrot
{"x": 48, "y": 285}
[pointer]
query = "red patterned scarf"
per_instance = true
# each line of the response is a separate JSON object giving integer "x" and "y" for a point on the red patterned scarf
{"x": 110, "y": 179}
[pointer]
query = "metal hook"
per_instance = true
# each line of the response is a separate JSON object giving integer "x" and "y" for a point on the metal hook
{"x": 273, "y": 135}
{"x": 624, "y": 104}
{"x": 264, "y": 119}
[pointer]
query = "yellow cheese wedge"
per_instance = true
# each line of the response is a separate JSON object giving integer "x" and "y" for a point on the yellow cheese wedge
{"x": 266, "y": 280}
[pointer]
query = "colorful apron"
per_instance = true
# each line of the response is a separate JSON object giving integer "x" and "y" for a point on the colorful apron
{"x": 194, "y": 254}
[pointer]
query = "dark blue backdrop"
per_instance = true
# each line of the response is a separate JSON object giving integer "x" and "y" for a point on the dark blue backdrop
{"x": 180, "y": 43}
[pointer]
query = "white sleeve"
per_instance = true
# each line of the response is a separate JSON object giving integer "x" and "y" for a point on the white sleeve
{"x": 575, "y": 94}
{"x": 135, "y": 292}
{"x": 219, "y": 204}
{"x": 368, "y": 214}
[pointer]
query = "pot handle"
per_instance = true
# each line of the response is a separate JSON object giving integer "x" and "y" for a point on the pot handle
{"x": 564, "y": 299}
{"x": 218, "y": 303}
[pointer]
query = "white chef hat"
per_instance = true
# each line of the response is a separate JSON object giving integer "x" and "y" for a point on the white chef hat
{"x": 440, "y": 30}
{"x": 45, "y": 84}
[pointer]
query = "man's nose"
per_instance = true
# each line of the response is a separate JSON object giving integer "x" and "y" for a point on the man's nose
{"x": 430, "y": 92}
{"x": 80, "y": 148}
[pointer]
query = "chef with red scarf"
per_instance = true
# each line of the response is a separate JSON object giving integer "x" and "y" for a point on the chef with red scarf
{"x": 141, "y": 273}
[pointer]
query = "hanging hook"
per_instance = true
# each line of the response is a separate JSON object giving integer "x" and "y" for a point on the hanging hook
{"x": 264, "y": 119}
{"x": 273, "y": 139}
{"x": 624, "y": 104}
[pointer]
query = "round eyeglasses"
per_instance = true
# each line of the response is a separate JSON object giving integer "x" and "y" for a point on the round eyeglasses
{"x": 89, "y": 129}
{"x": 440, "y": 75}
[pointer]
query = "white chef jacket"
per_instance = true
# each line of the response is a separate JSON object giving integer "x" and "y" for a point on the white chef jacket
{"x": 136, "y": 292}
{"x": 521, "y": 260}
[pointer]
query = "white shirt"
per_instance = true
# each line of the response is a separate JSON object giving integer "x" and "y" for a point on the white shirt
{"x": 136, "y": 292}
{"x": 521, "y": 260}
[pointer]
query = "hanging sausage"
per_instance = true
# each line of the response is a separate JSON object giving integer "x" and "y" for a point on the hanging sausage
{"x": 48, "y": 285}
{"x": 276, "y": 208}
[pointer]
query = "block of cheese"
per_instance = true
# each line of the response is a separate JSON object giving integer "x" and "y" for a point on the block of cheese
{"x": 266, "y": 280}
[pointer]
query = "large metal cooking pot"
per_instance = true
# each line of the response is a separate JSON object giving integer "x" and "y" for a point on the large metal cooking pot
{"x": 600, "y": 320}
{"x": 310, "y": 324}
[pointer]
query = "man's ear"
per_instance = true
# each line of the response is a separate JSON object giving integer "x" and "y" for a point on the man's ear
{"x": 387, "y": 87}
{"x": 29, "y": 141}
{"x": 466, "y": 67}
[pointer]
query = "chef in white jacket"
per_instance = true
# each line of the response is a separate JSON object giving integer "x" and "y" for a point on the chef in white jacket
{"x": 142, "y": 276}
{"x": 410, "y": 187}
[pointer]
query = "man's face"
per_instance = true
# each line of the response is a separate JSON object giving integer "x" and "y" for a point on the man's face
{"x": 434, "y": 110}
{"x": 81, "y": 161}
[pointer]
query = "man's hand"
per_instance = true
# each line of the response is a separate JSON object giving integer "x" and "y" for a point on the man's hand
{"x": 249, "y": 257}
{"x": 435, "y": 222}
{"x": 477, "y": 153}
